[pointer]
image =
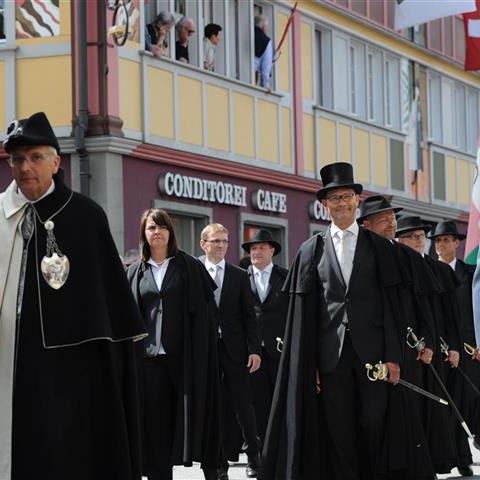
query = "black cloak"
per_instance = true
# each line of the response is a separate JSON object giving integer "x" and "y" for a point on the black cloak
{"x": 75, "y": 402}
{"x": 199, "y": 438}
{"x": 297, "y": 443}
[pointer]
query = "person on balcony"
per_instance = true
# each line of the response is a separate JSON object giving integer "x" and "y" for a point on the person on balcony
{"x": 263, "y": 52}
{"x": 210, "y": 42}
{"x": 156, "y": 34}
{"x": 185, "y": 27}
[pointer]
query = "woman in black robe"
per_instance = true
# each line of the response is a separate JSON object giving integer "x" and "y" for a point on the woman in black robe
{"x": 179, "y": 373}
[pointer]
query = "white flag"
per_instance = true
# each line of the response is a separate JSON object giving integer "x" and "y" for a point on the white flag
{"x": 409, "y": 13}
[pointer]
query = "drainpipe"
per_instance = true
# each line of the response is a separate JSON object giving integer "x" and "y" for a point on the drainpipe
{"x": 82, "y": 112}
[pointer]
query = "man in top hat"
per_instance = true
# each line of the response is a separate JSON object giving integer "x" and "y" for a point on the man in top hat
{"x": 271, "y": 304}
{"x": 68, "y": 402}
{"x": 238, "y": 346}
{"x": 339, "y": 319}
{"x": 447, "y": 239}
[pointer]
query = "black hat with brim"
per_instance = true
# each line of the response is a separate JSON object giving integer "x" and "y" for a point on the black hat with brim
{"x": 262, "y": 236}
{"x": 407, "y": 224}
{"x": 337, "y": 175}
{"x": 375, "y": 204}
{"x": 447, "y": 228}
{"x": 30, "y": 132}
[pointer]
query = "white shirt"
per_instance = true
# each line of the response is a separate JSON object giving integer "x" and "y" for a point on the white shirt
{"x": 353, "y": 229}
{"x": 212, "y": 269}
{"x": 158, "y": 272}
{"x": 453, "y": 264}
{"x": 208, "y": 55}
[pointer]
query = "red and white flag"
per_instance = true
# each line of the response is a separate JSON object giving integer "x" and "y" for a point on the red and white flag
{"x": 472, "y": 39}
{"x": 409, "y": 13}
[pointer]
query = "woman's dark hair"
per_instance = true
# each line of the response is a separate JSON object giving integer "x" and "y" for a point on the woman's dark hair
{"x": 161, "y": 218}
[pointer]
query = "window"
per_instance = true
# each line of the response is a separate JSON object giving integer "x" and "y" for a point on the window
{"x": 439, "y": 183}
{"x": 397, "y": 165}
{"x": 435, "y": 34}
{"x": 375, "y": 85}
{"x": 472, "y": 121}
{"x": 435, "y": 104}
{"x": 357, "y": 77}
{"x": 460, "y": 118}
{"x": 392, "y": 92}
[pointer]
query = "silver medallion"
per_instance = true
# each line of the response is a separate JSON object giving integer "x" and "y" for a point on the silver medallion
{"x": 55, "y": 266}
{"x": 55, "y": 269}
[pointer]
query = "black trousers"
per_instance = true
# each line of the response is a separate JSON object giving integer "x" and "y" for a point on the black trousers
{"x": 355, "y": 410}
{"x": 263, "y": 385}
{"x": 236, "y": 382}
{"x": 162, "y": 413}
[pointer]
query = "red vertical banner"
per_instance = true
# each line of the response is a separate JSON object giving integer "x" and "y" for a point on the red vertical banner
{"x": 472, "y": 39}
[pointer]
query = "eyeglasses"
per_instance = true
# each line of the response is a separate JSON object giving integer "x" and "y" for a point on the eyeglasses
{"x": 346, "y": 197}
{"x": 216, "y": 241}
{"x": 35, "y": 158}
{"x": 414, "y": 236}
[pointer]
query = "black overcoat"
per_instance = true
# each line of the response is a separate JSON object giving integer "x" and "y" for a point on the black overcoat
{"x": 75, "y": 402}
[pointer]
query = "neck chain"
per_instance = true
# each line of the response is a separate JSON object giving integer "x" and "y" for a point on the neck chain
{"x": 55, "y": 265}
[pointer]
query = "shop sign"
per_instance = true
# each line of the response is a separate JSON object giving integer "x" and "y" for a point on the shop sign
{"x": 268, "y": 201}
{"x": 194, "y": 188}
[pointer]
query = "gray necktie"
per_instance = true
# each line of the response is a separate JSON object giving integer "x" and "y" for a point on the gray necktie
{"x": 218, "y": 282}
{"x": 344, "y": 255}
{"x": 27, "y": 224}
{"x": 261, "y": 286}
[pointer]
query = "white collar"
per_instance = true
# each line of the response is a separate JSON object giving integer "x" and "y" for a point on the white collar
{"x": 267, "y": 269}
{"x": 50, "y": 189}
{"x": 209, "y": 265}
{"x": 453, "y": 263}
{"x": 353, "y": 228}
{"x": 156, "y": 265}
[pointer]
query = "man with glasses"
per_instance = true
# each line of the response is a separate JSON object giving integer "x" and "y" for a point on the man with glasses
{"x": 238, "y": 346}
{"x": 339, "y": 320}
{"x": 68, "y": 320}
{"x": 185, "y": 27}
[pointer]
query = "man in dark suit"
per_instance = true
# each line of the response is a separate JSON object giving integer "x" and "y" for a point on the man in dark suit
{"x": 447, "y": 239}
{"x": 271, "y": 305}
{"x": 238, "y": 341}
{"x": 338, "y": 320}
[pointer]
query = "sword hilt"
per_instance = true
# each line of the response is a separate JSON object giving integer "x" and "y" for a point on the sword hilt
{"x": 377, "y": 372}
{"x": 444, "y": 347}
{"x": 279, "y": 344}
{"x": 470, "y": 350}
{"x": 413, "y": 341}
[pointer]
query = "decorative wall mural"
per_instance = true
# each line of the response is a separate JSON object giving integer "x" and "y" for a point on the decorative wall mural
{"x": 37, "y": 18}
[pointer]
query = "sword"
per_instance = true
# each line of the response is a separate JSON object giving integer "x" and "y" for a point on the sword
{"x": 279, "y": 344}
{"x": 420, "y": 345}
{"x": 445, "y": 350}
{"x": 380, "y": 372}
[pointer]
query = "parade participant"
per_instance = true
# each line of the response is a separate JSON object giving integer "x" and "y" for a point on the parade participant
{"x": 179, "y": 382}
{"x": 238, "y": 344}
{"x": 339, "y": 319}
{"x": 411, "y": 231}
{"x": 271, "y": 305}
{"x": 68, "y": 323}
{"x": 378, "y": 215}
{"x": 447, "y": 240}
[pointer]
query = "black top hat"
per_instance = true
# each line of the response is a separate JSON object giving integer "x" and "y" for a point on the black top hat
{"x": 447, "y": 228}
{"x": 337, "y": 175}
{"x": 262, "y": 236}
{"x": 30, "y": 132}
{"x": 375, "y": 204}
{"x": 409, "y": 224}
